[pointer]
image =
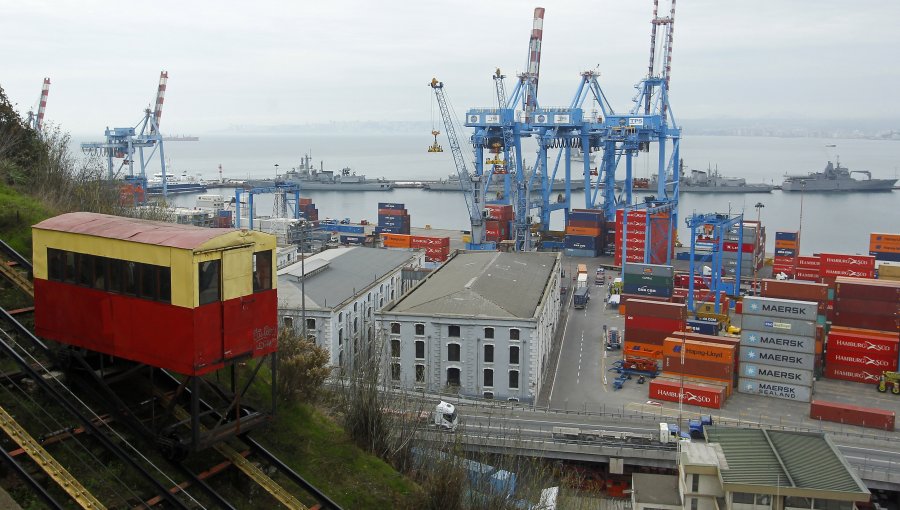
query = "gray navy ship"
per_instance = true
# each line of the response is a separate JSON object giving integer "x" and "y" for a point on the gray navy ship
{"x": 836, "y": 178}
{"x": 711, "y": 181}
{"x": 311, "y": 179}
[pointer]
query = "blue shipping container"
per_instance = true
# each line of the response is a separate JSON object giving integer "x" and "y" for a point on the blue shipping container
{"x": 352, "y": 239}
{"x": 553, "y": 245}
{"x": 785, "y": 252}
{"x": 487, "y": 246}
{"x": 582, "y": 242}
{"x": 575, "y": 252}
{"x": 885, "y": 256}
{"x": 647, "y": 290}
{"x": 703, "y": 327}
{"x": 390, "y": 205}
{"x": 584, "y": 216}
{"x": 391, "y": 230}
{"x": 785, "y": 236}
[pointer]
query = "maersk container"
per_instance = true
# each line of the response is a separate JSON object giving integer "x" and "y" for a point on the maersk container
{"x": 798, "y": 360}
{"x": 650, "y": 270}
{"x": 793, "y": 392}
{"x": 777, "y": 374}
{"x": 785, "y": 308}
{"x": 778, "y": 341}
{"x": 778, "y": 324}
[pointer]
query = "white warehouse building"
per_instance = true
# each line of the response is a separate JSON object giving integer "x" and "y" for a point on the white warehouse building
{"x": 344, "y": 287}
{"x": 482, "y": 324}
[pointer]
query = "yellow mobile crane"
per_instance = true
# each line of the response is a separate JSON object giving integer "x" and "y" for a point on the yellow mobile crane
{"x": 889, "y": 380}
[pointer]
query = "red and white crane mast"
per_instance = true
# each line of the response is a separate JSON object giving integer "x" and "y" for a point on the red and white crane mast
{"x": 36, "y": 120}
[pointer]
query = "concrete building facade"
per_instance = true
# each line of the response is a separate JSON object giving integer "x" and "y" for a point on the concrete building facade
{"x": 482, "y": 325}
{"x": 344, "y": 288}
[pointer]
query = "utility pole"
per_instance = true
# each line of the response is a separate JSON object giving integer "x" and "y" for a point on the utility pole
{"x": 303, "y": 234}
{"x": 758, "y": 206}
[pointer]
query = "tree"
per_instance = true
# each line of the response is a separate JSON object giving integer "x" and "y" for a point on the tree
{"x": 302, "y": 367}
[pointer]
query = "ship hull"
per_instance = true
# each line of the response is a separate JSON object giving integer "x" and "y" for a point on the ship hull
{"x": 815, "y": 185}
{"x": 173, "y": 189}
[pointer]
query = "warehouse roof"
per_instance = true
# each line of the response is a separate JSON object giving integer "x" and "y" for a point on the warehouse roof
{"x": 784, "y": 459}
{"x": 132, "y": 229}
{"x": 336, "y": 275}
{"x": 491, "y": 284}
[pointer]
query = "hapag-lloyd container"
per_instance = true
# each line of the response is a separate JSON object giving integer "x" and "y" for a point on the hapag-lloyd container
{"x": 702, "y": 351}
{"x": 777, "y": 341}
{"x": 800, "y": 361}
{"x": 688, "y": 393}
{"x": 855, "y": 374}
{"x": 776, "y": 374}
{"x": 781, "y": 308}
{"x": 849, "y": 414}
{"x": 779, "y": 325}
{"x": 633, "y": 349}
{"x": 775, "y": 389}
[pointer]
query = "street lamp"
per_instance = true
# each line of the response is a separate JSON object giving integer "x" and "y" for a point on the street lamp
{"x": 758, "y": 206}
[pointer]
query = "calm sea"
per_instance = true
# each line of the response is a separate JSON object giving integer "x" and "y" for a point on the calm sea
{"x": 830, "y": 222}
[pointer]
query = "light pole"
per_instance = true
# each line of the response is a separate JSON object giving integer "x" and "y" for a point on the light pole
{"x": 303, "y": 227}
{"x": 276, "y": 171}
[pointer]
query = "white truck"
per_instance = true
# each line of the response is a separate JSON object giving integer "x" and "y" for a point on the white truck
{"x": 670, "y": 433}
{"x": 443, "y": 415}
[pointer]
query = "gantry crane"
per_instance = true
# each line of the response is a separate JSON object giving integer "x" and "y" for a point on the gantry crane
{"x": 121, "y": 143}
{"x": 716, "y": 227}
{"x": 469, "y": 184}
{"x": 36, "y": 120}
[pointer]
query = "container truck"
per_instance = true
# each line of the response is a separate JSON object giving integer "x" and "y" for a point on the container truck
{"x": 443, "y": 416}
{"x": 581, "y": 297}
{"x": 670, "y": 433}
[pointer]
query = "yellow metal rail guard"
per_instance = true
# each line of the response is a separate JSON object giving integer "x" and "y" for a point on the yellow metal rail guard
{"x": 59, "y": 474}
{"x": 14, "y": 276}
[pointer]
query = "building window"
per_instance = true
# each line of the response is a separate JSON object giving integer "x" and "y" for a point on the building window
{"x": 354, "y": 306}
{"x": 209, "y": 278}
{"x": 395, "y": 371}
{"x": 513, "y": 379}
{"x": 790, "y": 501}
{"x": 488, "y": 395}
{"x": 341, "y": 336}
{"x": 513, "y": 333}
{"x": 693, "y": 503}
{"x": 289, "y": 322}
{"x": 341, "y": 317}
{"x": 514, "y": 355}
{"x": 420, "y": 330}
{"x": 420, "y": 349}
{"x": 695, "y": 483}
{"x": 453, "y": 351}
{"x": 310, "y": 324}
{"x": 355, "y": 324}
{"x": 395, "y": 348}
{"x": 744, "y": 498}
{"x": 420, "y": 373}
{"x": 489, "y": 332}
{"x": 262, "y": 271}
{"x": 489, "y": 353}
{"x": 453, "y": 331}
{"x": 765, "y": 500}
{"x": 453, "y": 377}
{"x": 395, "y": 328}
{"x": 488, "y": 377}
{"x": 341, "y": 358}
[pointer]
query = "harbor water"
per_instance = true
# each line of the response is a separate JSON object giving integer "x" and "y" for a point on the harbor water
{"x": 831, "y": 222}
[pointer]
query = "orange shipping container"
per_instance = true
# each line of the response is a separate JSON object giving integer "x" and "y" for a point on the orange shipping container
{"x": 640, "y": 350}
{"x": 584, "y": 231}
{"x": 396, "y": 240}
{"x": 703, "y": 351}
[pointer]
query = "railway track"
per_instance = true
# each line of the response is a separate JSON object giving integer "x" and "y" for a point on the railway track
{"x": 162, "y": 485}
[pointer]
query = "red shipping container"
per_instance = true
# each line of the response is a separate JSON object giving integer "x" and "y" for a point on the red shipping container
{"x": 632, "y": 349}
{"x": 854, "y": 272}
{"x": 723, "y": 372}
{"x": 865, "y": 321}
{"x": 662, "y": 309}
{"x": 838, "y": 260}
{"x": 883, "y": 347}
{"x": 392, "y": 212}
{"x": 784, "y": 289}
{"x": 733, "y": 247}
{"x": 848, "y": 414}
{"x": 809, "y": 262}
{"x": 852, "y": 373}
{"x": 687, "y": 393}
{"x": 860, "y": 360}
{"x": 652, "y": 323}
{"x": 863, "y": 332}
{"x": 807, "y": 275}
{"x": 866, "y": 306}
{"x": 857, "y": 288}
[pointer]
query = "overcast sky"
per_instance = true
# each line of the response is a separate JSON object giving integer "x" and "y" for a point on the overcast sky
{"x": 268, "y": 63}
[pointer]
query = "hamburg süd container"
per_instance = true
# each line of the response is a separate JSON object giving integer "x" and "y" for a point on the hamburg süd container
{"x": 688, "y": 393}
{"x": 864, "y": 375}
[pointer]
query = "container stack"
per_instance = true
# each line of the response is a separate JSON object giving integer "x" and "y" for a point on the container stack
{"x": 833, "y": 265}
{"x": 437, "y": 249}
{"x": 584, "y": 233}
{"x": 648, "y": 324}
{"x": 787, "y": 249}
{"x": 498, "y": 222}
{"x": 804, "y": 291}
{"x": 777, "y": 355}
{"x": 715, "y": 339}
{"x": 648, "y": 280}
{"x": 636, "y": 241}
{"x": 863, "y": 339}
{"x": 885, "y": 247}
{"x": 308, "y": 209}
{"x": 697, "y": 361}
{"x": 392, "y": 218}
{"x": 752, "y": 245}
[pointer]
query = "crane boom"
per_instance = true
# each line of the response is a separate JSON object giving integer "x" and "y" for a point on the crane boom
{"x": 160, "y": 98}
{"x": 534, "y": 56}
{"x": 467, "y": 182}
{"x": 42, "y": 107}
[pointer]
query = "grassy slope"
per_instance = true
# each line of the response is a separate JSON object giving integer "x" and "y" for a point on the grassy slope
{"x": 18, "y": 213}
{"x": 322, "y": 453}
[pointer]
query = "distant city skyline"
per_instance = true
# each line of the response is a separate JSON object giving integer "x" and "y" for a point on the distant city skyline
{"x": 353, "y": 60}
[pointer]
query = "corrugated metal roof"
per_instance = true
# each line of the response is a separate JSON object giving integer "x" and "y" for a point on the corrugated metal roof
{"x": 491, "y": 284}
{"x": 804, "y": 460}
{"x": 343, "y": 273}
{"x": 159, "y": 233}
